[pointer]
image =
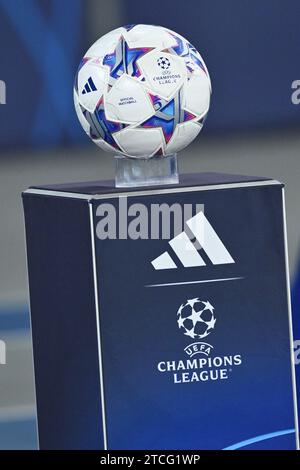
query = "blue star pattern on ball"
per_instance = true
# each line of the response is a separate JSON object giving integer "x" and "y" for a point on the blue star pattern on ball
{"x": 123, "y": 60}
{"x": 167, "y": 115}
{"x": 129, "y": 27}
{"x": 187, "y": 51}
{"x": 100, "y": 126}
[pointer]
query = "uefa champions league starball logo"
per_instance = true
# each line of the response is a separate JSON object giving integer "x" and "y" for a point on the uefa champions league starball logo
{"x": 196, "y": 318}
{"x": 163, "y": 63}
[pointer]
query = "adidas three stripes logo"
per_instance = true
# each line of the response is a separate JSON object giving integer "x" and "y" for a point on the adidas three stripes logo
{"x": 186, "y": 251}
{"x": 89, "y": 86}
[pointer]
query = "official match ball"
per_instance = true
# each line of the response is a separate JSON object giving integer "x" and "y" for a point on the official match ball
{"x": 142, "y": 91}
{"x": 196, "y": 318}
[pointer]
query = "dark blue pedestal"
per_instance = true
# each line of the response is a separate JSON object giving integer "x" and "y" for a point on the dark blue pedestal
{"x": 178, "y": 342}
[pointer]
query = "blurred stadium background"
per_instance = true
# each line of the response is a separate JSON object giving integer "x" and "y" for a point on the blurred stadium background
{"x": 251, "y": 49}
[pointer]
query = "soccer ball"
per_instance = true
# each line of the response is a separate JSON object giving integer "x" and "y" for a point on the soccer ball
{"x": 196, "y": 318}
{"x": 141, "y": 91}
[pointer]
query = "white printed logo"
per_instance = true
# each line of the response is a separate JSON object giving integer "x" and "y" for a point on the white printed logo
{"x": 188, "y": 253}
{"x": 196, "y": 318}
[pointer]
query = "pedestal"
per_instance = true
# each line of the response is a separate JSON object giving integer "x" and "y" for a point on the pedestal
{"x": 151, "y": 333}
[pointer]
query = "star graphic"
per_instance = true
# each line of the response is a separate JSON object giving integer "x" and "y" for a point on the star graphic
{"x": 195, "y": 317}
{"x": 209, "y": 307}
{"x": 211, "y": 323}
{"x": 180, "y": 309}
{"x": 192, "y": 302}
{"x": 168, "y": 114}
{"x": 190, "y": 333}
{"x": 123, "y": 60}
{"x": 100, "y": 127}
{"x": 180, "y": 322}
{"x": 129, "y": 27}
{"x": 187, "y": 51}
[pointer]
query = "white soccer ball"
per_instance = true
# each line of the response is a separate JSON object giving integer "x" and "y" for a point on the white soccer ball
{"x": 141, "y": 91}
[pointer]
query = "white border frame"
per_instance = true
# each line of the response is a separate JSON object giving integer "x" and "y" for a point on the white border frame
{"x": 288, "y": 293}
{"x": 96, "y": 294}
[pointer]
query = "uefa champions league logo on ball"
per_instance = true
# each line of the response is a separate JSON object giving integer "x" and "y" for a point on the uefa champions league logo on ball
{"x": 163, "y": 63}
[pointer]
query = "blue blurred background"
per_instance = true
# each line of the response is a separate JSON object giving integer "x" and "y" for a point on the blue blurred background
{"x": 251, "y": 49}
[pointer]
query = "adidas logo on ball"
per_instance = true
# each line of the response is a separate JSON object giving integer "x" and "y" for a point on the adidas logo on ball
{"x": 89, "y": 86}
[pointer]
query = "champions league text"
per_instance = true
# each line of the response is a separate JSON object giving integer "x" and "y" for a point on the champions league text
{"x": 201, "y": 369}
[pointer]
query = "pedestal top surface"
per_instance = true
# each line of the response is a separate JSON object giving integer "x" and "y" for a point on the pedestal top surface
{"x": 94, "y": 188}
